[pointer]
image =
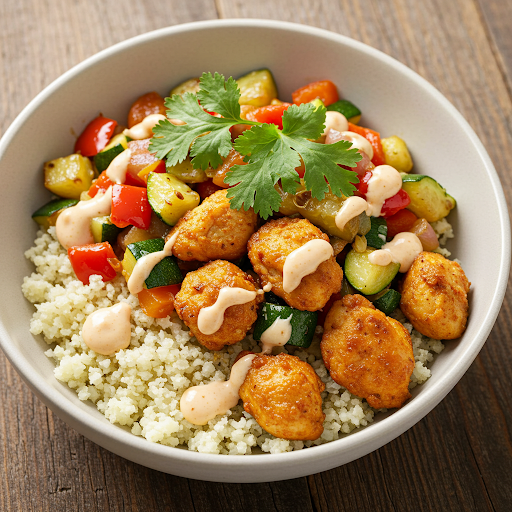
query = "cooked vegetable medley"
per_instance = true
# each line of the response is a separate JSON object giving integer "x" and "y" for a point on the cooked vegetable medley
{"x": 285, "y": 236}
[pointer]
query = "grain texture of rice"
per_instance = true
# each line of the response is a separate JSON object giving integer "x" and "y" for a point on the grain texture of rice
{"x": 140, "y": 387}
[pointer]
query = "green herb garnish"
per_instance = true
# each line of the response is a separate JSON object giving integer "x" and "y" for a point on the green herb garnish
{"x": 271, "y": 154}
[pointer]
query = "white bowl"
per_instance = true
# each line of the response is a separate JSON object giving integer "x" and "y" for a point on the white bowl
{"x": 394, "y": 100}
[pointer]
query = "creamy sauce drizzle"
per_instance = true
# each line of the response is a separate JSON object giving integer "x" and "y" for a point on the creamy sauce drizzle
{"x": 210, "y": 319}
{"x": 144, "y": 129}
{"x": 267, "y": 287}
{"x": 358, "y": 142}
{"x": 108, "y": 330}
{"x": 199, "y": 404}
{"x": 403, "y": 249}
{"x": 351, "y": 208}
{"x": 304, "y": 261}
{"x": 73, "y": 225}
{"x": 384, "y": 183}
{"x": 276, "y": 335}
{"x": 145, "y": 265}
{"x": 335, "y": 121}
{"x": 117, "y": 169}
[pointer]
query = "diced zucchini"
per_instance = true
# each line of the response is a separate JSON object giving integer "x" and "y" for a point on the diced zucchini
{"x": 366, "y": 277}
{"x": 164, "y": 273}
{"x": 185, "y": 172}
{"x": 303, "y": 323}
{"x": 348, "y": 109}
{"x": 388, "y": 302}
{"x": 376, "y": 237}
{"x": 429, "y": 199}
{"x": 396, "y": 153}
{"x": 103, "y": 230}
{"x": 68, "y": 176}
{"x": 117, "y": 145}
{"x": 169, "y": 197}
{"x": 46, "y": 216}
{"x": 191, "y": 85}
{"x": 257, "y": 88}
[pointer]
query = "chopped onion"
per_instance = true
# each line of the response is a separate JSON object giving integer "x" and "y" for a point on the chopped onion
{"x": 425, "y": 232}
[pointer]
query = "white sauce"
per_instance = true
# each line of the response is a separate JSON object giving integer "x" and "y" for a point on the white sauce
{"x": 210, "y": 319}
{"x": 145, "y": 265}
{"x": 304, "y": 261}
{"x": 144, "y": 129}
{"x": 358, "y": 142}
{"x": 73, "y": 225}
{"x": 384, "y": 183}
{"x": 199, "y": 404}
{"x": 108, "y": 330}
{"x": 276, "y": 335}
{"x": 335, "y": 121}
{"x": 267, "y": 287}
{"x": 117, "y": 169}
{"x": 403, "y": 249}
{"x": 351, "y": 208}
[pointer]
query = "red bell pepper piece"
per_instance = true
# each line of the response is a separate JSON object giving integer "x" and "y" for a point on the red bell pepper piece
{"x": 392, "y": 205}
{"x": 207, "y": 188}
{"x": 373, "y": 138}
{"x": 92, "y": 259}
{"x": 396, "y": 203}
{"x": 130, "y": 205}
{"x": 400, "y": 222}
{"x": 323, "y": 89}
{"x": 271, "y": 114}
{"x": 102, "y": 183}
{"x": 95, "y": 136}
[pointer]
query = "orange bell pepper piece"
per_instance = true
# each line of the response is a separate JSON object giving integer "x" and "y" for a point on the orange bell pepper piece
{"x": 323, "y": 89}
{"x": 158, "y": 302}
{"x": 373, "y": 138}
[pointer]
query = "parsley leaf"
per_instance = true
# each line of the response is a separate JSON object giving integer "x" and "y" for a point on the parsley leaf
{"x": 271, "y": 154}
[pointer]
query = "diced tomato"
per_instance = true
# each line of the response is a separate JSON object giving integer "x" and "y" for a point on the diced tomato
{"x": 95, "y": 136}
{"x": 400, "y": 222}
{"x": 101, "y": 184}
{"x": 373, "y": 138}
{"x": 323, "y": 89}
{"x": 92, "y": 259}
{"x": 233, "y": 158}
{"x": 271, "y": 114}
{"x": 158, "y": 302}
{"x": 323, "y": 312}
{"x": 130, "y": 205}
{"x": 362, "y": 186}
{"x": 396, "y": 203}
{"x": 206, "y": 188}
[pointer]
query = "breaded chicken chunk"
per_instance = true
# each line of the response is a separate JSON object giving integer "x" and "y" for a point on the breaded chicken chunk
{"x": 268, "y": 249}
{"x": 200, "y": 289}
{"x": 213, "y": 231}
{"x": 367, "y": 352}
{"x": 283, "y": 394}
{"x": 435, "y": 296}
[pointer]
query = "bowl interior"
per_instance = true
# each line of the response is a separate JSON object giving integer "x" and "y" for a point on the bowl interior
{"x": 393, "y": 99}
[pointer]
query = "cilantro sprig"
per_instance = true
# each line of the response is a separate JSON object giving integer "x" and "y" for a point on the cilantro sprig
{"x": 271, "y": 154}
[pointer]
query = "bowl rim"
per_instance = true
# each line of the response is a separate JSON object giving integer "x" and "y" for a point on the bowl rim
{"x": 352, "y": 446}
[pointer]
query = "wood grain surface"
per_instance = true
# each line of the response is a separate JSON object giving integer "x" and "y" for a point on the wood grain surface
{"x": 457, "y": 458}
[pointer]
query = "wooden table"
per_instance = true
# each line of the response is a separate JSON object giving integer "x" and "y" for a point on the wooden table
{"x": 457, "y": 458}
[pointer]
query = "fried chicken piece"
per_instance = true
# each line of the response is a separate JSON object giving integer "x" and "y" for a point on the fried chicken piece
{"x": 367, "y": 352}
{"x": 213, "y": 231}
{"x": 200, "y": 289}
{"x": 268, "y": 249}
{"x": 283, "y": 394}
{"x": 435, "y": 296}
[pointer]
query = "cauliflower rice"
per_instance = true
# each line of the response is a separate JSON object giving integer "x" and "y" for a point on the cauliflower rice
{"x": 140, "y": 387}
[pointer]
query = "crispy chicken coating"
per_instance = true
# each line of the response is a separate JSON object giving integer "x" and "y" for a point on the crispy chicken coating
{"x": 435, "y": 296}
{"x": 200, "y": 289}
{"x": 268, "y": 249}
{"x": 213, "y": 231}
{"x": 283, "y": 394}
{"x": 367, "y": 352}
